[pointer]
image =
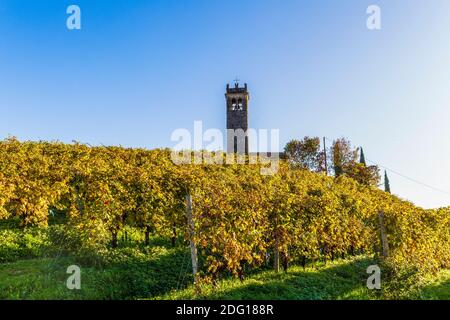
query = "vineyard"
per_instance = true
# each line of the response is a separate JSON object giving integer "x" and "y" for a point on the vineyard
{"x": 94, "y": 198}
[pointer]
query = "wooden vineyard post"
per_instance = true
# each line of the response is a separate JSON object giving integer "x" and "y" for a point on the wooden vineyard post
{"x": 276, "y": 255}
{"x": 191, "y": 227}
{"x": 384, "y": 241}
{"x": 276, "y": 262}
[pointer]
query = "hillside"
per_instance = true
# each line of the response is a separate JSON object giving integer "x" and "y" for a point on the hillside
{"x": 83, "y": 202}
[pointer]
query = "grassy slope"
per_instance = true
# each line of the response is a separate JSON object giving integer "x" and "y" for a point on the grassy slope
{"x": 339, "y": 280}
{"x": 134, "y": 275}
{"x": 343, "y": 279}
{"x": 154, "y": 277}
{"x": 438, "y": 287}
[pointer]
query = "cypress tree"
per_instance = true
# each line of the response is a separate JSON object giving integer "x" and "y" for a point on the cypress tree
{"x": 362, "y": 159}
{"x": 387, "y": 187}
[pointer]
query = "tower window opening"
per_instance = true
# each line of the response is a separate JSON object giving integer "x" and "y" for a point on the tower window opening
{"x": 239, "y": 104}
{"x": 233, "y": 104}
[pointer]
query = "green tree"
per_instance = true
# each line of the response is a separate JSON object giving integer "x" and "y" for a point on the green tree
{"x": 367, "y": 175}
{"x": 306, "y": 154}
{"x": 342, "y": 155}
{"x": 362, "y": 158}
{"x": 344, "y": 163}
{"x": 387, "y": 186}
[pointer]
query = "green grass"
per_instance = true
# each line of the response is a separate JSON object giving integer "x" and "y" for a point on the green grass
{"x": 37, "y": 270}
{"x": 338, "y": 280}
{"x": 437, "y": 288}
{"x": 131, "y": 274}
{"x": 163, "y": 273}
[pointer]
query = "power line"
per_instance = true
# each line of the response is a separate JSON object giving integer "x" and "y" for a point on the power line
{"x": 411, "y": 179}
{"x": 406, "y": 177}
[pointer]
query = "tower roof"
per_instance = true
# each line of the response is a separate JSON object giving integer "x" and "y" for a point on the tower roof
{"x": 237, "y": 88}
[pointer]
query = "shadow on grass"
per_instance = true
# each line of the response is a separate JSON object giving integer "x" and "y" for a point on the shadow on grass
{"x": 135, "y": 271}
{"x": 130, "y": 273}
{"x": 341, "y": 280}
{"x": 439, "y": 291}
{"x": 142, "y": 277}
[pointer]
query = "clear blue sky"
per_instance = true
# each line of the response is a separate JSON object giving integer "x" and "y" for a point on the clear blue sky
{"x": 137, "y": 70}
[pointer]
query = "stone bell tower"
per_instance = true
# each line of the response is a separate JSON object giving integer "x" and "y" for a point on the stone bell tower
{"x": 237, "y": 118}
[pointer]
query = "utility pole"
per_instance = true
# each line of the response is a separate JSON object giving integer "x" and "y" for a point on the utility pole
{"x": 191, "y": 239}
{"x": 325, "y": 153}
